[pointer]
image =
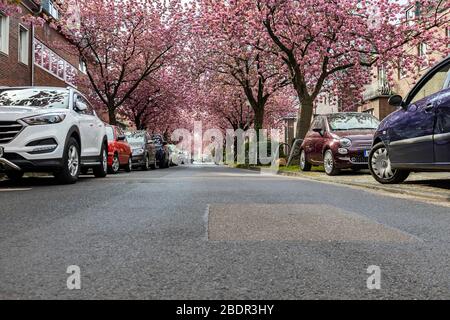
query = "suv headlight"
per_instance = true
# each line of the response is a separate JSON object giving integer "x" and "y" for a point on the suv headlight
{"x": 51, "y": 118}
{"x": 346, "y": 143}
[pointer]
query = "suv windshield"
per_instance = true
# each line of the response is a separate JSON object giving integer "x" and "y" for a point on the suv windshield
{"x": 353, "y": 121}
{"x": 136, "y": 137}
{"x": 36, "y": 98}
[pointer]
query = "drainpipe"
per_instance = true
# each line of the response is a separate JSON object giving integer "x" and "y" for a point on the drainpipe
{"x": 33, "y": 28}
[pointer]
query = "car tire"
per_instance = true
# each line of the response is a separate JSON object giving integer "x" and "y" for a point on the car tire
{"x": 101, "y": 171}
{"x": 380, "y": 166}
{"x": 304, "y": 165}
{"x": 146, "y": 165}
{"x": 330, "y": 164}
{"x": 115, "y": 166}
{"x": 153, "y": 165}
{"x": 71, "y": 163}
{"x": 14, "y": 175}
{"x": 129, "y": 165}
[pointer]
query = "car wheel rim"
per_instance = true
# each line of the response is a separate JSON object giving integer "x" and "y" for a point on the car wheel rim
{"x": 116, "y": 164}
{"x": 73, "y": 162}
{"x": 303, "y": 160}
{"x": 381, "y": 164}
{"x": 328, "y": 162}
{"x": 130, "y": 163}
{"x": 105, "y": 161}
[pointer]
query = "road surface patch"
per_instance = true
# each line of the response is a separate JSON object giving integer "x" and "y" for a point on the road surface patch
{"x": 296, "y": 222}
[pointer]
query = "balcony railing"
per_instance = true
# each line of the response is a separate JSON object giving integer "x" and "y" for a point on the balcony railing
{"x": 377, "y": 90}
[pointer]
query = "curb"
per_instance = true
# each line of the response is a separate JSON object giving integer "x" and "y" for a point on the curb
{"x": 423, "y": 195}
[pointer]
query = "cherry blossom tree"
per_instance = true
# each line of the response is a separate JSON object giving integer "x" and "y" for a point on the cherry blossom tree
{"x": 222, "y": 51}
{"x": 123, "y": 44}
{"x": 327, "y": 44}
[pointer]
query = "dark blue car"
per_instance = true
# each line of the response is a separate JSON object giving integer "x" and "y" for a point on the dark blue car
{"x": 417, "y": 136}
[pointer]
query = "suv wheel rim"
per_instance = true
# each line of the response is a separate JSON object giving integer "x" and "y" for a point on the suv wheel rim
{"x": 73, "y": 161}
{"x": 116, "y": 164}
{"x": 302, "y": 159}
{"x": 381, "y": 164}
{"x": 329, "y": 162}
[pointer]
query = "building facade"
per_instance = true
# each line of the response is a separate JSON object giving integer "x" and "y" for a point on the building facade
{"x": 377, "y": 93}
{"x": 35, "y": 55}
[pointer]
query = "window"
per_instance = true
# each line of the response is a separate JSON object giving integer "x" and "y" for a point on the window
{"x": 89, "y": 110}
{"x": 54, "y": 64}
{"x": 411, "y": 15}
{"x": 423, "y": 54}
{"x": 34, "y": 97}
{"x": 352, "y": 121}
{"x": 24, "y": 42}
{"x": 434, "y": 84}
{"x": 83, "y": 66}
{"x": 4, "y": 34}
{"x": 402, "y": 71}
{"x": 51, "y": 8}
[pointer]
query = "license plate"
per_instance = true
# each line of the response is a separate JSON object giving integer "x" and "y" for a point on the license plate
{"x": 366, "y": 153}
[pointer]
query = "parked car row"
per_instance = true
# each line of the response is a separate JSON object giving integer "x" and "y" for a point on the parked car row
{"x": 56, "y": 130}
{"x": 414, "y": 138}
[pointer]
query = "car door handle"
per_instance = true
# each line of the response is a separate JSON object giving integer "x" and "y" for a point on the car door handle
{"x": 429, "y": 107}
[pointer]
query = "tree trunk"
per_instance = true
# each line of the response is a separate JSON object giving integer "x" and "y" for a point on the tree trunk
{"x": 112, "y": 115}
{"x": 259, "y": 118}
{"x": 305, "y": 115}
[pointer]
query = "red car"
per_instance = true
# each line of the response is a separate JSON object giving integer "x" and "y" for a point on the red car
{"x": 339, "y": 141}
{"x": 119, "y": 151}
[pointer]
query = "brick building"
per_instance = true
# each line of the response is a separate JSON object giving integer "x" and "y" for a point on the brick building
{"x": 377, "y": 94}
{"x": 33, "y": 55}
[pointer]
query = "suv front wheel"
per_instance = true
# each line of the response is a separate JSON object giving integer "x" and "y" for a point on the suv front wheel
{"x": 381, "y": 169}
{"x": 71, "y": 163}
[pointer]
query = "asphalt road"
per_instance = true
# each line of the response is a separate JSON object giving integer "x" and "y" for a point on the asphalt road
{"x": 217, "y": 233}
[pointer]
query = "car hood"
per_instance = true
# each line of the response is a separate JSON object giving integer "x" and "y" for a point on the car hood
{"x": 355, "y": 134}
{"x": 13, "y": 113}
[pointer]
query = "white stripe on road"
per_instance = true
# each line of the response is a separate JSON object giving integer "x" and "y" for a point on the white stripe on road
{"x": 13, "y": 190}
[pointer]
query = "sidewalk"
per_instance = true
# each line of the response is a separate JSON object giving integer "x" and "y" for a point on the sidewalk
{"x": 426, "y": 186}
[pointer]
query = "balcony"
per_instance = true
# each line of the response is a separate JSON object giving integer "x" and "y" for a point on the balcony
{"x": 377, "y": 90}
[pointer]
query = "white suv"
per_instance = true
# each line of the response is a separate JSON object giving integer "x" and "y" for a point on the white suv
{"x": 50, "y": 130}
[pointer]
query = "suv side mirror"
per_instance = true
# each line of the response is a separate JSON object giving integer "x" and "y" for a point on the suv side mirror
{"x": 121, "y": 138}
{"x": 396, "y": 101}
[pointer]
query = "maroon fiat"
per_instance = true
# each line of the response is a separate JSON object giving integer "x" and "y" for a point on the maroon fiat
{"x": 339, "y": 141}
